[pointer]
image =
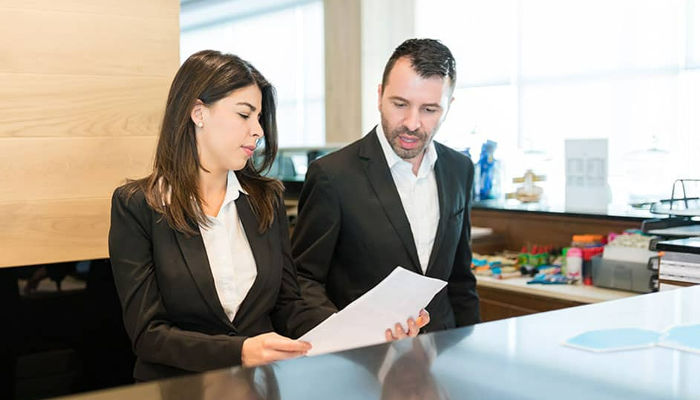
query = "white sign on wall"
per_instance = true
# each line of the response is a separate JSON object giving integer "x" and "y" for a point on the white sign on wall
{"x": 587, "y": 174}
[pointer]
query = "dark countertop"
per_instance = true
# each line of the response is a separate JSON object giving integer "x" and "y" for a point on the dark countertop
{"x": 517, "y": 358}
{"x": 624, "y": 212}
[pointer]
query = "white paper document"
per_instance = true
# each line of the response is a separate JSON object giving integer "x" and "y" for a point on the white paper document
{"x": 398, "y": 297}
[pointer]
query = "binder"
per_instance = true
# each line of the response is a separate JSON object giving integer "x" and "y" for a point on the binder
{"x": 680, "y": 262}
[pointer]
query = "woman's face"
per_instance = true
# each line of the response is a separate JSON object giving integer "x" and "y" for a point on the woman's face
{"x": 228, "y": 130}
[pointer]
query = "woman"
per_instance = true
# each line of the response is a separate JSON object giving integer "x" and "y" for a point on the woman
{"x": 200, "y": 247}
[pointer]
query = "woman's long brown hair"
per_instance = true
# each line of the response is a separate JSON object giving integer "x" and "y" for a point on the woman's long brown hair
{"x": 172, "y": 187}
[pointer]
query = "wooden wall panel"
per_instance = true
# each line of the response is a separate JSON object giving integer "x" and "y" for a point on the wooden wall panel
{"x": 59, "y": 42}
{"x": 83, "y": 86}
{"x": 150, "y": 8}
{"x": 74, "y": 105}
{"x": 71, "y": 167}
{"x": 47, "y": 231}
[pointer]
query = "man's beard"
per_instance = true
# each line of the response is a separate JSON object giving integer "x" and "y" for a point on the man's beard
{"x": 423, "y": 139}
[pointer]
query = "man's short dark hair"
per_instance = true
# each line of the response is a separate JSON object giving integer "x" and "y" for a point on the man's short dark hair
{"x": 429, "y": 58}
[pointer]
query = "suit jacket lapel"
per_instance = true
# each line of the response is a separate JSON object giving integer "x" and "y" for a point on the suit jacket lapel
{"x": 445, "y": 195}
{"x": 260, "y": 247}
{"x": 383, "y": 184}
{"x": 195, "y": 255}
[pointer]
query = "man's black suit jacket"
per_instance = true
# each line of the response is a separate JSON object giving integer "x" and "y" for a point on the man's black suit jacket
{"x": 352, "y": 231}
{"x": 171, "y": 309}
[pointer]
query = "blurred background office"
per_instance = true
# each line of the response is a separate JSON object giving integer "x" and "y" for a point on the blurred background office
{"x": 531, "y": 75}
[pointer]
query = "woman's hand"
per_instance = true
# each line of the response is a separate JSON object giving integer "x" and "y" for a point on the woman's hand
{"x": 413, "y": 327}
{"x": 269, "y": 347}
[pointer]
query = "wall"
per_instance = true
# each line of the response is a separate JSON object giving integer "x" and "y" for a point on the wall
{"x": 82, "y": 89}
{"x": 342, "y": 19}
{"x": 360, "y": 37}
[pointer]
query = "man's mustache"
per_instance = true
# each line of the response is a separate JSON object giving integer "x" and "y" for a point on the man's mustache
{"x": 403, "y": 130}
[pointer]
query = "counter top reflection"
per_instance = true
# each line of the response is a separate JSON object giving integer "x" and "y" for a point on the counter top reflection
{"x": 518, "y": 358}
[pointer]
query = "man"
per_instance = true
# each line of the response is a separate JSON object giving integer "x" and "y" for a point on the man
{"x": 393, "y": 198}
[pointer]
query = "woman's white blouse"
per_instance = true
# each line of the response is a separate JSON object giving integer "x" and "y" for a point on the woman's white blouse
{"x": 230, "y": 257}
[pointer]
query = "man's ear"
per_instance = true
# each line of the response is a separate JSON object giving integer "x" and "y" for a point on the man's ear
{"x": 379, "y": 96}
{"x": 197, "y": 113}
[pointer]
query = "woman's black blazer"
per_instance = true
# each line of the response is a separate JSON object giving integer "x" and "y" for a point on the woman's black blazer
{"x": 170, "y": 306}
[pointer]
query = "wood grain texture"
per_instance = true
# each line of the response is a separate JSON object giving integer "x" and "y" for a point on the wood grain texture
{"x": 83, "y": 85}
{"x": 48, "y": 231}
{"x": 70, "y": 167}
{"x": 498, "y": 304}
{"x": 74, "y": 105}
{"x": 150, "y": 8}
{"x": 76, "y": 43}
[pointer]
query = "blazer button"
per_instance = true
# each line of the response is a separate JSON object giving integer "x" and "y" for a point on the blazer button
{"x": 231, "y": 333}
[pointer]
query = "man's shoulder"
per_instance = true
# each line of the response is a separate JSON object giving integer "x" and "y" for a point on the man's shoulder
{"x": 342, "y": 159}
{"x": 452, "y": 156}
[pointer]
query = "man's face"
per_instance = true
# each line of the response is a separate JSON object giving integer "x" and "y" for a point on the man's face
{"x": 412, "y": 109}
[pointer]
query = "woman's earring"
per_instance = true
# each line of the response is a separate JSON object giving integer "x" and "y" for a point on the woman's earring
{"x": 200, "y": 124}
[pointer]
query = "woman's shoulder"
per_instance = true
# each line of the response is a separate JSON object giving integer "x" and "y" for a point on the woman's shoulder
{"x": 131, "y": 196}
{"x": 130, "y": 210}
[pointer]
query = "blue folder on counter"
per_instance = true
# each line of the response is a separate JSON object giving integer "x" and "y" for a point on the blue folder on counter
{"x": 683, "y": 337}
{"x": 614, "y": 339}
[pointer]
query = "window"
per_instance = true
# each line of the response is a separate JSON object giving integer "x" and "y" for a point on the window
{"x": 534, "y": 73}
{"x": 283, "y": 40}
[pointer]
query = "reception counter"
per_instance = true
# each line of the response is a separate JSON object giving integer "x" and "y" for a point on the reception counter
{"x": 516, "y": 358}
{"x": 514, "y": 297}
{"x": 577, "y": 293}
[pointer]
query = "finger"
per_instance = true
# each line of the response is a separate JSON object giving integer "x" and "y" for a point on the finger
{"x": 282, "y": 343}
{"x": 412, "y": 328}
{"x": 274, "y": 355}
{"x": 399, "y": 332}
{"x": 388, "y": 335}
{"x": 306, "y": 344}
{"x": 423, "y": 318}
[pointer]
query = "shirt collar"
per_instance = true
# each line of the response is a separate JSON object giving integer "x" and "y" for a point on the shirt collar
{"x": 233, "y": 188}
{"x": 426, "y": 165}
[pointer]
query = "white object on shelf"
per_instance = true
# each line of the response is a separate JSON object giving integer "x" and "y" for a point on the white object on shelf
{"x": 587, "y": 174}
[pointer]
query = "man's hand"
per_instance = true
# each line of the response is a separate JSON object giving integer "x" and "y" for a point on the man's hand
{"x": 413, "y": 327}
